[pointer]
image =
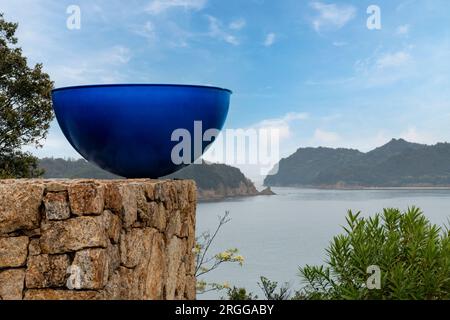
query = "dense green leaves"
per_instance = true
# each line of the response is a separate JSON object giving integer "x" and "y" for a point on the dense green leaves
{"x": 25, "y": 106}
{"x": 19, "y": 165}
{"x": 412, "y": 253}
{"x": 239, "y": 294}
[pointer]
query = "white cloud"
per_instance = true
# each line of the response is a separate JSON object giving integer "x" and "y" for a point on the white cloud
{"x": 413, "y": 135}
{"x": 165, "y": 33}
{"x": 159, "y": 6}
{"x": 65, "y": 64}
{"x": 179, "y": 37}
{"x": 379, "y": 69}
{"x": 270, "y": 39}
{"x": 117, "y": 55}
{"x": 147, "y": 31}
{"x": 237, "y": 24}
{"x": 339, "y": 43}
{"x": 231, "y": 39}
{"x": 383, "y": 136}
{"x": 369, "y": 142}
{"x": 393, "y": 60}
{"x": 282, "y": 124}
{"x": 331, "y": 16}
{"x": 326, "y": 137}
{"x": 216, "y": 31}
{"x": 385, "y": 68}
{"x": 102, "y": 67}
{"x": 402, "y": 30}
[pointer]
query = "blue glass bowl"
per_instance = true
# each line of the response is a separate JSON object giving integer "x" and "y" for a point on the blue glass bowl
{"x": 126, "y": 129}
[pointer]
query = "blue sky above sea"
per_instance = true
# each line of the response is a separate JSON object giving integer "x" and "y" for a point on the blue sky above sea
{"x": 311, "y": 68}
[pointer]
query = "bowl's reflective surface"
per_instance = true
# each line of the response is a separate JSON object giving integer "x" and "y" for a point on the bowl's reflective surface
{"x": 127, "y": 129}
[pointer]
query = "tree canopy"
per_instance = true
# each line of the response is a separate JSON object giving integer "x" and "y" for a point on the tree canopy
{"x": 25, "y": 106}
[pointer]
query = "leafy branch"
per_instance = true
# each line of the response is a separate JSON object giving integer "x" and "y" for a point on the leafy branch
{"x": 206, "y": 263}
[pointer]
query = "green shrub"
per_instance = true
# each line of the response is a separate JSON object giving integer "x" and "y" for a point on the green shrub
{"x": 412, "y": 254}
{"x": 269, "y": 288}
{"x": 239, "y": 294}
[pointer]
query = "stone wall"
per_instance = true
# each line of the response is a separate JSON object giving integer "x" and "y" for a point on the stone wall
{"x": 95, "y": 239}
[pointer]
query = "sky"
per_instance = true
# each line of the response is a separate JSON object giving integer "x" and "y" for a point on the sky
{"x": 313, "y": 69}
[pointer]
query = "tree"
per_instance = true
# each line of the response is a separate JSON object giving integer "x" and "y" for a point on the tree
{"x": 25, "y": 107}
{"x": 412, "y": 255}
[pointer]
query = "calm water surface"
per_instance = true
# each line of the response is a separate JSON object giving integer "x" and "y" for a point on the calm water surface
{"x": 276, "y": 234}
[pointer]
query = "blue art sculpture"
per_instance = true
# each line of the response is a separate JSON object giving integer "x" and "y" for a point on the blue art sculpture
{"x": 127, "y": 129}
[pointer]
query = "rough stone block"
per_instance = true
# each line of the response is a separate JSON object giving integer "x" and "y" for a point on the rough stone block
{"x": 175, "y": 251}
{"x": 135, "y": 246}
{"x": 113, "y": 225}
{"x": 56, "y": 206}
{"x": 13, "y": 251}
{"x": 34, "y": 248}
{"x": 56, "y": 186}
{"x": 113, "y": 253}
{"x": 174, "y": 225}
{"x": 93, "y": 268}
{"x": 19, "y": 206}
{"x": 154, "y": 287}
{"x": 155, "y": 216}
{"x": 11, "y": 284}
{"x": 86, "y": 198}
{"x": 121, "y": 199}
{"x": 45, "y": 271}
{"x": 73, "y": 234}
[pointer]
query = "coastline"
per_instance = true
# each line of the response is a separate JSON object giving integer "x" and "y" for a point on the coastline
{"x": 225, "y": 198}
{"x": 353, "y": 188}
{"x": 221, "y": 194}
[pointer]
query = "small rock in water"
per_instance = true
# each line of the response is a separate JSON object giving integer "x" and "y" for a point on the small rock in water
{"x": 267, "y": 192}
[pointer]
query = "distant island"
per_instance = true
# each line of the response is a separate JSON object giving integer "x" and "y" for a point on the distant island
{"x": 214, "y": 181}
{"x": 398, "y": 163}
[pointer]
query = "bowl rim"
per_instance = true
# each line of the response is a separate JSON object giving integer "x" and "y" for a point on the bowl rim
{"x": 140, "y": 85}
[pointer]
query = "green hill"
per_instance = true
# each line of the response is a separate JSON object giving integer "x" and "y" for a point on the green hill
{"x": 72, "y": 169}
{"x": 397, "y": 164}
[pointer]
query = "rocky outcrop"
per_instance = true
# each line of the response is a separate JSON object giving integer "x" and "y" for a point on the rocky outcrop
{"x": 217, "y": 181}
{"x": 97, "y": 239}
{"x": 245, "y": 189}
{"x": 267, "y": 192}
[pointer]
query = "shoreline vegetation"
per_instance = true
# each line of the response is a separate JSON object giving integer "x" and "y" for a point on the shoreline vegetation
{"x": 356, "y": 188}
